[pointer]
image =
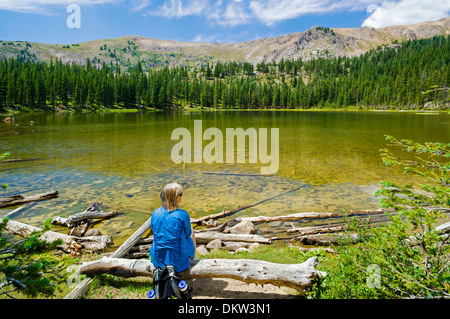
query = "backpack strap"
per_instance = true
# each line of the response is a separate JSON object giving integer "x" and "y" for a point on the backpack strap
{"x": 156, "y": 280}
{"x": 174, "y": 279}
{"x": 165, "y": 283}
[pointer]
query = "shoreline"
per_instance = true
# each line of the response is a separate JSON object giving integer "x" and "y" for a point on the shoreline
{"x": 8, "y": 112}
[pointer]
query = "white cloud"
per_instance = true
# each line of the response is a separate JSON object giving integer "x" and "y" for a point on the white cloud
{"x": 406, "y": 12}
{"x": 42, "y": 6}
{"x": 238, "y": 12}
{"x": 139, "y": 5}
{"x": 273, "y": 11}
{"x": 234, "y": 14}
{"x": 180, "y": 8}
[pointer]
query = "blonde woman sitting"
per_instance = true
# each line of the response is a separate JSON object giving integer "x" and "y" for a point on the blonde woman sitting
{"x": 173, "y": 237}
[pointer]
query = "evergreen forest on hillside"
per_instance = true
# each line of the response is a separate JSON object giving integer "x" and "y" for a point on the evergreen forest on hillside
{"x": 411, "y": 75}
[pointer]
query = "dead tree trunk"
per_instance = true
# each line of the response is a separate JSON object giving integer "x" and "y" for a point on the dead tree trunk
{"x": 267, "y": 219}
{"x": 325, "y": 240}
{"x": 297, "y": 276}
{"x": 316, "y": 230}
{"x": 74, "y": 220}
{"x": 70, "y": 244}
{"x": 206, "y": 237}
{"x": 19, "y": 199}
{"x": 80, "y": 222}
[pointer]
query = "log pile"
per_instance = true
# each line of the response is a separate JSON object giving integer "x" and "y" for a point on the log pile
{"x": 242, "y": 237}
{"x": 70, "y": 244}
{"x": 79, "y": 223}
{"x": 77, "y": 241}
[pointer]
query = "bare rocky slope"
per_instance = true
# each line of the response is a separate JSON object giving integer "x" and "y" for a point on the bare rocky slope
{"x": 315, "y": 42}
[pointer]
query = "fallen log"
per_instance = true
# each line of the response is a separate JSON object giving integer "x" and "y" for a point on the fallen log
{"x": 443, "y": 229}
{"x": 267, "y": 219}
{"x": 296, "y": 276}
{"x": 363, "y": 212}
{"x": 142, "y": 250}
{"x": 19, "y": 199}
{"x": 206, "y": 237}
{"x": 75, "y": 219}
{"x": 218, "y": 215}
{"x": 316, "y": 230}
{"x": 326, "y": 240}
{"x": 240, "y": 208}
{"x": 70, "y": 244}
{"x": 304, "y": 249}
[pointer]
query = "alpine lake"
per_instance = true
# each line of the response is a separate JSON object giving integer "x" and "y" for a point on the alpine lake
{"x": 123, "y": 159}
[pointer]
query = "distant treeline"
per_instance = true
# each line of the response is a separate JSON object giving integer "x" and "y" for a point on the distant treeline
{"x": 406, "y": 75}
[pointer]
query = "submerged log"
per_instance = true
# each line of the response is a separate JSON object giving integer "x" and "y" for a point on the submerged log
{"x": 296, "y": 276}
{"x": 69, "y": 244}
{"x": 19, "y": 209}
{"x": 19, "y": 199}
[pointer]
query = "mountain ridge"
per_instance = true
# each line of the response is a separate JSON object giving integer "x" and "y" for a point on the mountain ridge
{"x": 315, "y": 42}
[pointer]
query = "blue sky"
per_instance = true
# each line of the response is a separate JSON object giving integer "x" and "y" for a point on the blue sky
{"x": 202, "y": 20}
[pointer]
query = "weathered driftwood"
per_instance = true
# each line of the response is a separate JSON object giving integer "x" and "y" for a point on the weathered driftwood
{"x": 305, "y": 249}
{"x": 443, "y": 229}
{"x": 316, "y": 230}
{"x": 81, "y": 229}
{"x": 136, "y": 255}
{"x": 219, "y": 228}
{"x": 19, "y": 199}
{"x": 235, "y": 245}
{"x": 325, "y": 240}
{"x": 267, "y": 219}
{"x": 297, "y": 276}
{"x": 362, "y": 212}
{"x": 83, "y": 286}
{"x": 69, "y": 244}
{"x": 206, "y": 237}
{"x": 145, "y": 248}
{"x": 142, "y": 250}
{"x": 240, "y": 208}
{"x": 222, "y": 214}
{"x": 74, "y": 220}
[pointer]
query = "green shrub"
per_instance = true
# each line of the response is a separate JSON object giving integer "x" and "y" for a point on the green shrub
{"x": 406, "y": 257}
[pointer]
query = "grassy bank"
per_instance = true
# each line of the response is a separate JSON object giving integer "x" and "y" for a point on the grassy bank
{"x": 112, "y": 287}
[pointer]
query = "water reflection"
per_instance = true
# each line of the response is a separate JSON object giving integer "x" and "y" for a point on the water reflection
{"x": 124, "y": 159}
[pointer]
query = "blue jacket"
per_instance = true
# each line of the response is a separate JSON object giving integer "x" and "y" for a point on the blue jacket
{"x": 172, "y": 243}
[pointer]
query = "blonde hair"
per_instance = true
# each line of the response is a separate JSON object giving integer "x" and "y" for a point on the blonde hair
{"x": 171, "y": 193}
